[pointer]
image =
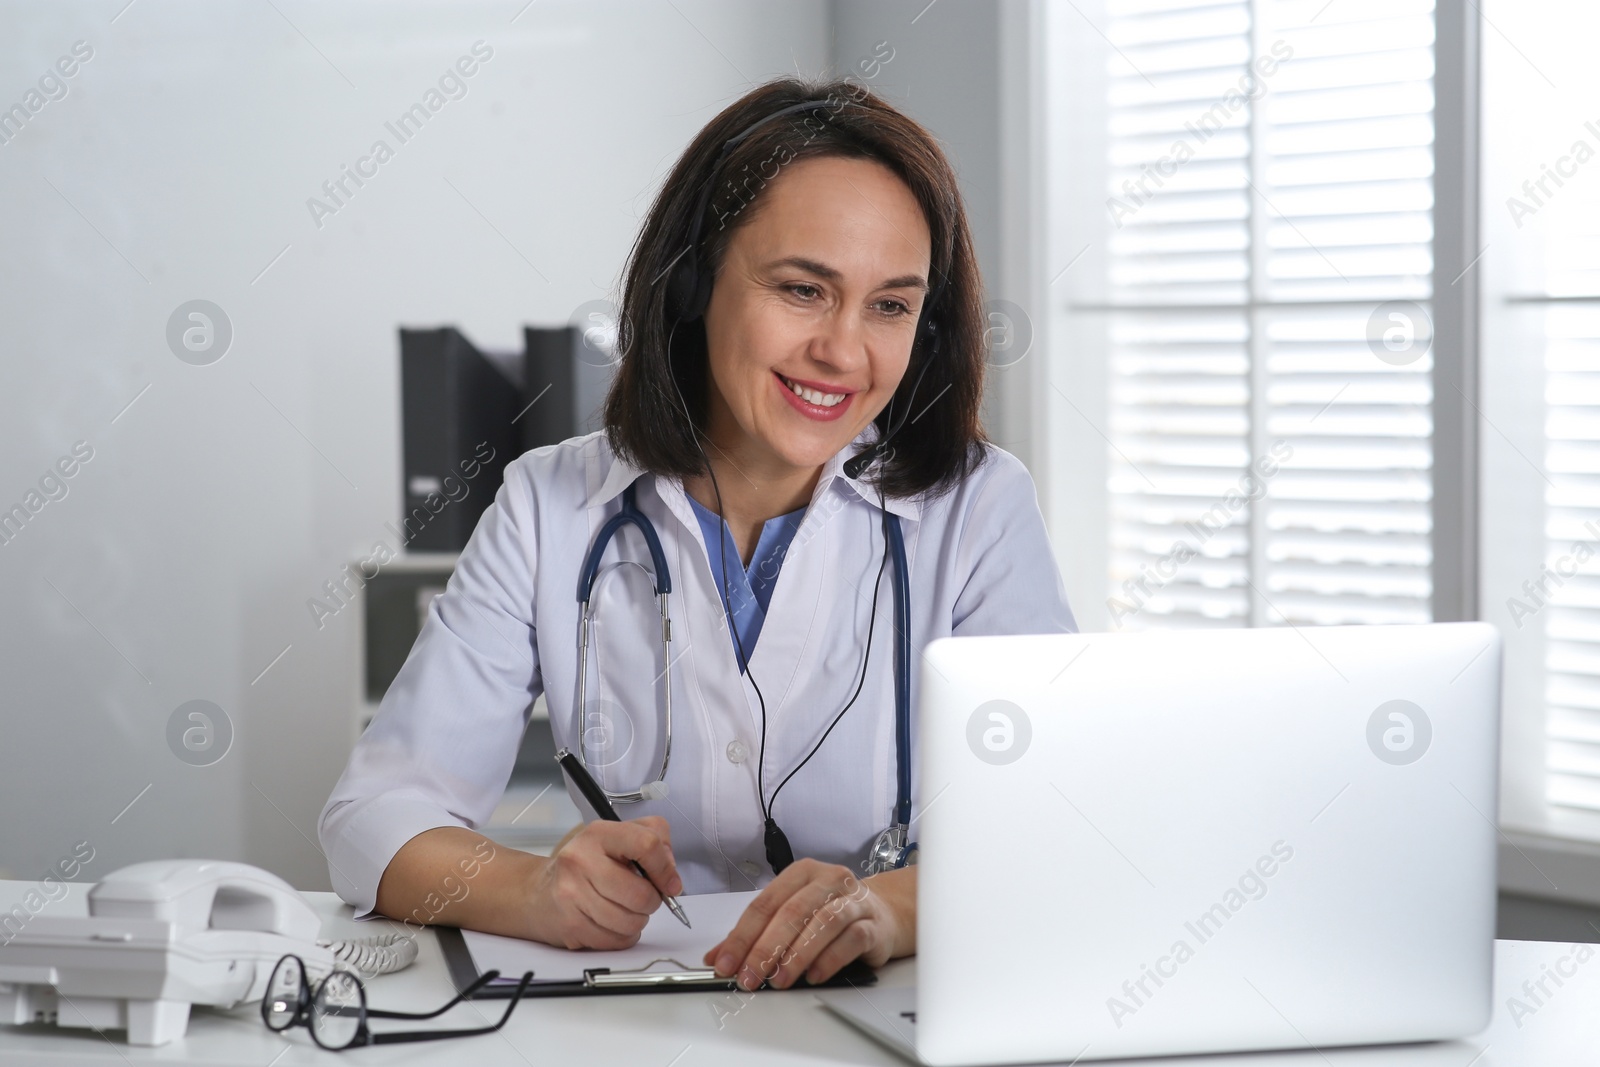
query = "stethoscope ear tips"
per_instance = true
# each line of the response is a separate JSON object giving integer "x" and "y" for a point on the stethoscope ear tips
{"x": 653, "y": 791}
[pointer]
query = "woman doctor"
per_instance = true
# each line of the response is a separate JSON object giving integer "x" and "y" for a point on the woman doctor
{"x": 803, "y": 287}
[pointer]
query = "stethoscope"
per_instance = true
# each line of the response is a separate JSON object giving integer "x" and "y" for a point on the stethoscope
{"x": 893, "y": 847}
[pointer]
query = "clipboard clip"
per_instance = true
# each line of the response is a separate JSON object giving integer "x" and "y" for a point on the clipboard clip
{"x": 648, "y": 975}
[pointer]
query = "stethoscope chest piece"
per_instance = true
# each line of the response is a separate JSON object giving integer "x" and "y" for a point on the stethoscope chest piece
{"x": 892, "y": 850}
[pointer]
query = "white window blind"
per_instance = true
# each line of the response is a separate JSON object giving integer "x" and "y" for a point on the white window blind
{"x": 1541, "y": 406}
{"x": 1566, "y": 306}
{"x": 1571, "y": 344}
{"x": 1268, "y": 189}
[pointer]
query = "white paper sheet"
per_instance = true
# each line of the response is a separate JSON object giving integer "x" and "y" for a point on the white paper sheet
{"x": 664, "y": 937}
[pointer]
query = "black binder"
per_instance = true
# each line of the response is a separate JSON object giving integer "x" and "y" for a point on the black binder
{"x": 456, "y": 422}
{"x": 550, "y": 385}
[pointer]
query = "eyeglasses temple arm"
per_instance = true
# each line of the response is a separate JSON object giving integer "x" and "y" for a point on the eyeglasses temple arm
{"x": 483, "y": 980}
{"x": 429, "y": 1035}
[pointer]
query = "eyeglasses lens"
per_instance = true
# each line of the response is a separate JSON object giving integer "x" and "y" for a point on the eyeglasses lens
{"x": 283, "y": 994}
{"x": 337, "y": 1009}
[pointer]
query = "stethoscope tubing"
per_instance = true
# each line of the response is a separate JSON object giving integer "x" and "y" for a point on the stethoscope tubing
{"x": 902, "y": 669}
{"x": 631, "y": 515}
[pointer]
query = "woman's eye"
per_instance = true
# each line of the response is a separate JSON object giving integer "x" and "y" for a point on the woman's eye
{"x": 804, "y": 291}
{"x": 894, "y": 307}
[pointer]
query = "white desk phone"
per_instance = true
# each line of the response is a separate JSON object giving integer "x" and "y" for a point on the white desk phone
{"x": 167, "y": 934}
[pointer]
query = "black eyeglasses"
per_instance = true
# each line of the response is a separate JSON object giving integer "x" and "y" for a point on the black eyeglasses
{"x": 336, "y": 1012}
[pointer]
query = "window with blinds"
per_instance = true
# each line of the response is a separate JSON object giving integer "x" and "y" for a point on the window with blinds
{"x": 1571, "y": 327}
{"x": 1570, "y": 312}
{"x": 1567, "y": 310}
{"x": 1541, "y": 406}
{"x": 1266, "y": 297}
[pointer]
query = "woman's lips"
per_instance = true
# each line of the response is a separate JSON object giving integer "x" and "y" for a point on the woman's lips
{"x": 808, "y": 409}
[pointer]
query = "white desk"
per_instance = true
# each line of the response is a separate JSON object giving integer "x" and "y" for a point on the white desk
{"x": 681, "y": 1029}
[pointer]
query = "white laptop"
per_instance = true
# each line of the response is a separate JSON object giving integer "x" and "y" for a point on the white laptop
{"x": 1186, "y": 842}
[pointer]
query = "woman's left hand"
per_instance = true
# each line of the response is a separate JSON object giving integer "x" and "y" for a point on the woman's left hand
{"x": 816, "y": 917}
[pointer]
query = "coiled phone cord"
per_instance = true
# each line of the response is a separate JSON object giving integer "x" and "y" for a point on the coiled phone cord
{"x": 370, "y": 956}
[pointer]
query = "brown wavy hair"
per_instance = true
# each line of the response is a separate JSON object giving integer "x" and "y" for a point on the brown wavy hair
{"x": 658, "y": 398}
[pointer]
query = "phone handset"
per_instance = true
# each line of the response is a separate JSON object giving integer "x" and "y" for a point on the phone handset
{"x": 163, "y": 935}
{"x": 197, "y": 895}
{"x": 219, "y": 895}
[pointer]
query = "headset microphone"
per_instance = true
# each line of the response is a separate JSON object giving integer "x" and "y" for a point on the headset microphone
{"x": 863, "y": 459}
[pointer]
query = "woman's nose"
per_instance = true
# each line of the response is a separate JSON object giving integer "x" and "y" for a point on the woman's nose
{"x": 840, "y": 342}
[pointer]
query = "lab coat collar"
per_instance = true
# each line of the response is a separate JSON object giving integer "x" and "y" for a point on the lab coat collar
{"x": 609, "y": 474}
{"x": 619, "y": 474}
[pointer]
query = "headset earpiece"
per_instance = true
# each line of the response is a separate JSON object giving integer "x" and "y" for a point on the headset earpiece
{"x": 688, "y": 288}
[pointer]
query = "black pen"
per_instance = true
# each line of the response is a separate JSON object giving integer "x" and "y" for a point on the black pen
{"x": 602, "y": 807}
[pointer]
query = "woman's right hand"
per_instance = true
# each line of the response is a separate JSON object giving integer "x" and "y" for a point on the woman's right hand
{"x": 587, "y": 894}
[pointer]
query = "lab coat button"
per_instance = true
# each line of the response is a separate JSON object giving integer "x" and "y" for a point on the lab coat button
{"x": 737, "y": 752}
{"x": 751, "y": 869}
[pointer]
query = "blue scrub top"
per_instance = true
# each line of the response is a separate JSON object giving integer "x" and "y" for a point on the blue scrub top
{"x": 750, "y": 588}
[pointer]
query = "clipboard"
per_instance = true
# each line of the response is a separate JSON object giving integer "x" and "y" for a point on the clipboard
{"x": 662, "y": 975}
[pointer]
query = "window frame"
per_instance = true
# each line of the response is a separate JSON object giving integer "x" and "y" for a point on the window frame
{"x": 1457, "y": 306}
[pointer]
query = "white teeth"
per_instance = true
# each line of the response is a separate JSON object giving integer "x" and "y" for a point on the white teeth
{"x": 812, "y": 396}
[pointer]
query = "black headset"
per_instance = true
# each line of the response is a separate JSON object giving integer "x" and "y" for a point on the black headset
{"x": 689, "y": 282}
{"x": 688, "y": 292}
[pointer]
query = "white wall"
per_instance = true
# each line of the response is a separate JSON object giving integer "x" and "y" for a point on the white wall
{"x": 177, "y": 167}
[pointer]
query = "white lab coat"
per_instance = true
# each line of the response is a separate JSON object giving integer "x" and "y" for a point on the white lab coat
{"x": 440, "y": 749}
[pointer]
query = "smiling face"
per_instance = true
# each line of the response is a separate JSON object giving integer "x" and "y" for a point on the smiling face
{"x": 814, "y": 311}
